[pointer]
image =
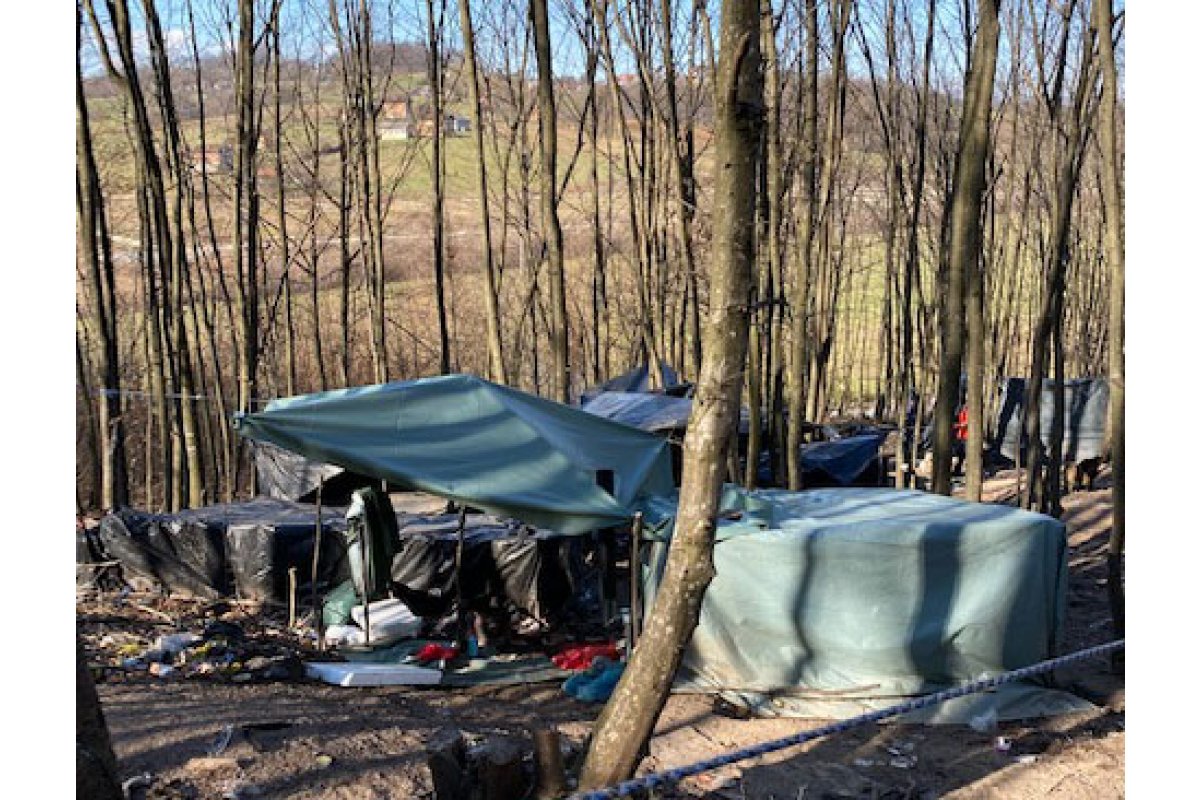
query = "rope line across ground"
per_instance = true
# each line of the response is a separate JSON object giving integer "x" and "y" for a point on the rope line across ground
{"x": 671, "y": 776}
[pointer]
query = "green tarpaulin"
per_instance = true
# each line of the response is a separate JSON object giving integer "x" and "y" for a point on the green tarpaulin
{"x": 485, "y": 445}
{"x": 832, "y": 601}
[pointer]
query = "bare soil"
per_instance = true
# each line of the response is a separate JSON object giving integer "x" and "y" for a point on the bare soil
{"x": 306, "y": 740}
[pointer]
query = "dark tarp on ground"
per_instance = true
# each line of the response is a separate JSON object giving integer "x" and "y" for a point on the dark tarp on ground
{"x": 1084, "y": 422}
{"x": 503, "y": 564}
{"x": 182, "y": 556}
{"x": 284, "y": 475}
{"x": 841, "y": 461}
{"x": 484, "y": 445}
{"x": 636, "y": 380}
{"x": 246, "y": 549}
{"x": 243, "y": 549}
{"x": 656, "y": 413}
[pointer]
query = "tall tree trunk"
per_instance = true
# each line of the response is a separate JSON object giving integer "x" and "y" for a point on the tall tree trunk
{"x": 625, "y": 725}
{"x": 964, "y": 235}
{"x": 801, "y": 332}
{"x": 1114, "y": 254}
{"x": 97, "y": 252}
{"x": 437, "y": 168}
{"x": 551, "y": 229}
{"x": 496, "y": 370}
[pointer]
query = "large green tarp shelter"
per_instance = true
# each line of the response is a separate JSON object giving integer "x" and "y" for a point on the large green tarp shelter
{"x": 478, "y": 443}
{"x": 829, "y": 602}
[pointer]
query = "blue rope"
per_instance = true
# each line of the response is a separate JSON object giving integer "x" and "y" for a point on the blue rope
{"x": 671, "y": 776}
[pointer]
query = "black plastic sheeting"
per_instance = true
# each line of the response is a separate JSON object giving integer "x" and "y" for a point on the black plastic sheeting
{"x": 260, "y": 556}
{"x": 844, "y": 461}
{"x": 284, "y": 475}
{"x": 247, "y": 549}
{"x": 505, "y": 567}
{"x": 1085, "y": 420}
{"x": 242, "y": 549}
{"x": 182, "y": 556}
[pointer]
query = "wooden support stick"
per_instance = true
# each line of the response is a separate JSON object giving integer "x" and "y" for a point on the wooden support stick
{"x": 547, "y": 755}
{"x": 460, "y": 546}
{"x": 291, "y": 597}
{"x": 317, "y": 620}
{"x": 635, "y": 580}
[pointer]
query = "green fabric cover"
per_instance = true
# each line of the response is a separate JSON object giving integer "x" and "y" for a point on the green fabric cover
{"x": 476, "y": 442}
{"x": 845, "y": 599}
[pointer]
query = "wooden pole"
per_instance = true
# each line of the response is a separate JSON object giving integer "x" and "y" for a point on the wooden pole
{"x": 365, "y": 563}
{"x": 547, "y": 755}
{"x": 291, "y": 597}
{"x": 460, "y": 545}
{"x": 317, "y": 621}
{"x": 635, "y": 580}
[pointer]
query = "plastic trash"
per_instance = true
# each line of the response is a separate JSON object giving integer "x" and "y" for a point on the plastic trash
{"x": 1003, "y": 744}
{"x": 341, "y": 635}
{"x": 355, "y": 674}
{"x": 390, "y": 620}
{"x": 985, "y": 722}
{"x": 173, "y": 643}
{"x": 161, "y": 670}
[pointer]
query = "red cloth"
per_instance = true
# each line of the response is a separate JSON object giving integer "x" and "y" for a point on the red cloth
{"x": 577, "y": 657}
{"x": 960, "y": 427}
{"x": 436, "y": 652}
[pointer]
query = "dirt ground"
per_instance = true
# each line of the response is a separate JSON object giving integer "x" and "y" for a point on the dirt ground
{"x": 306, "y": 740}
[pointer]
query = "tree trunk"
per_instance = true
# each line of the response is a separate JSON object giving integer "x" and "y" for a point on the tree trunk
{"x": 552, "y": 231}
{"x": 964, "y": 234}
{"x": 1114, "y": 254}
{"x": 625, "y": 725}
{"x": 496, "y": 370}
{"x": 96, "y": 776}
{"x": 801, "y": 335}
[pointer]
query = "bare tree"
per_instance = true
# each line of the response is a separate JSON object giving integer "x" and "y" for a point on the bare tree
{"x": 552, "y": 230}
{"x": 964, "y": 236}
{"x": 628, "y": 718}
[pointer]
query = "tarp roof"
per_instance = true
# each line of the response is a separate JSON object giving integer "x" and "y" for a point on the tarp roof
{"x": 635, "y": 380}
{"x": 488, "y": 446}
{"x": 650, "y": 412}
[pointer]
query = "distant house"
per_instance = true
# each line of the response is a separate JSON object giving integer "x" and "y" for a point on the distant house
{"x": 393, "y": 129}
{"x": 406, "y": 119}
{"x": 456, "y": 125}
{"x": 217, "y": 160}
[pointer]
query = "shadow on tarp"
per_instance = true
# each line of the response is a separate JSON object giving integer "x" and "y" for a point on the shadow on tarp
{"x": 854, "y": 599}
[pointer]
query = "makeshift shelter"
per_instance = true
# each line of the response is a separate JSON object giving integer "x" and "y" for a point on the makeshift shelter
{"x": 842, "y": 462}
{"x": 656, "y": 413}
{"x": 635, "y": 380}
{"x": 1085, "y": 418}
{"x": 829, "y": 602}
{"x": 477, "y": 443}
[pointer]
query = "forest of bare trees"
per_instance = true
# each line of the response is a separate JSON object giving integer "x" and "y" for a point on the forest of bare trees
{"x": 283, "y": 196}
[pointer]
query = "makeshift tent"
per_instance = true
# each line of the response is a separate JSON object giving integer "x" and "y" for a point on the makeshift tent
{"x": 831, "y": 601}
{"x": 841, "y": 461}
{"x": 478, "y": 443}
{"x": 636, "y": 380}
{"x": 657, "y": 413}
{"x": 1085, "y": 418}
